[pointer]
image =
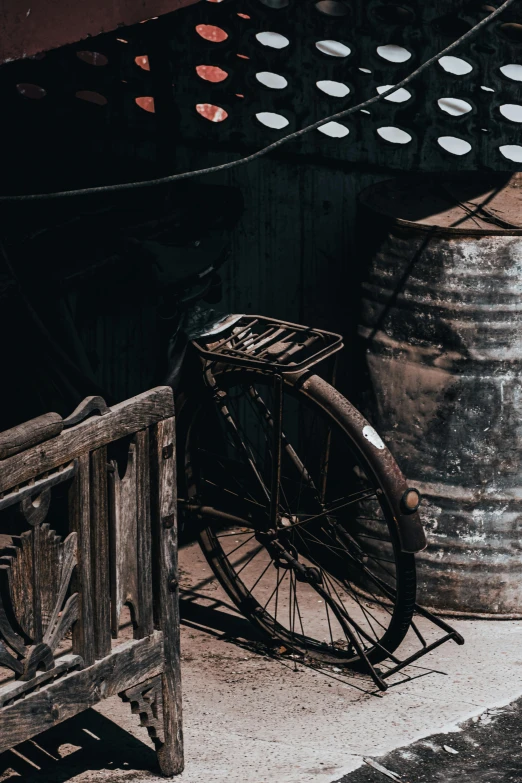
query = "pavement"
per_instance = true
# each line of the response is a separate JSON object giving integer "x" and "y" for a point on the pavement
{"x": 253, "y": 718}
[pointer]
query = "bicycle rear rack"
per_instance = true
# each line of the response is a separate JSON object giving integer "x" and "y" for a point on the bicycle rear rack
{"x": 268, "y": 344}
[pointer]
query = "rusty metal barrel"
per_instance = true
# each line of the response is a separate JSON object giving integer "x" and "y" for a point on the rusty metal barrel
{"x": 441, "y": 326}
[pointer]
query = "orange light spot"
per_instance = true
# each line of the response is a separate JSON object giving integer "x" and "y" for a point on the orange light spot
{"x": 211, "y": 33}
{"x": 146, "y": 103}
{"x": 244, "y": 16}
{"x": 143, "y": 62}
{"x": 211, "y": 73}
{"x": 211, "y": 112}
{"x": 244, "y": 56}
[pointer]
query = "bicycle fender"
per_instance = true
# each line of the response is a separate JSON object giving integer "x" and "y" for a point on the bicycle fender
{"x": 412, "y": 536}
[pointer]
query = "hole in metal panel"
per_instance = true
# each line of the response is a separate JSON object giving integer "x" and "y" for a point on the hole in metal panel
{"x": 455, "y": 65}
{"x": 211, "y": 112}
{"x": 394, "y": 135}
{"x": 454, "y": 145}
{"x": 512, "y": 31}
{"x": 211, "y": 73}
{"x": 454, "y": 106}
{"x": 92, "y": 58}
{"x": 486, "y": 89}
{"x": 512, "y": 152}
{"x": 333, "y": 48}
{"x": 394, "y": 14}
{"x": 365, "y": 70}
{"x": 277, "y": 4}
{"x": 273, "y": 80}
{"x": 211, "y": 33}
{"x": 92, "y": 97}
{"x": 272, "y": 40}
{"x": 511, "y": 111}
{"x": 332, "y": 7}
{"x": 142, "y": 61}
{"x": 146, "y": 102}
{"x": 452, "y": 26}
{"x": 32, "y": 91}
{"x": 335, "y": 130}
{"x": 399, "y": 96}
{"x": 272, "y": 120}
{"x": 335, "y": 89}
{"x": 512, "y": 71}
{"x": 393, "y": 53}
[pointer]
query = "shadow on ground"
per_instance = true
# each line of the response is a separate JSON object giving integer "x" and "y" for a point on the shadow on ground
{"x": 88, "y": 742}
{"x": 91, "y": 743}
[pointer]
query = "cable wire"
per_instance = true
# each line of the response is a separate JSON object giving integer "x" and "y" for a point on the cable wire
{"x": 276, "y": 144}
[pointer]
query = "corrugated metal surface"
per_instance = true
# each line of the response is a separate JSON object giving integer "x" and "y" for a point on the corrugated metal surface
{"x": 442, "y": 327}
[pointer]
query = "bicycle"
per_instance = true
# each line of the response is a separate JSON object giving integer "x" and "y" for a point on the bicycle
{"x": 298, "y": 502}
{"x": 292, "y": 490}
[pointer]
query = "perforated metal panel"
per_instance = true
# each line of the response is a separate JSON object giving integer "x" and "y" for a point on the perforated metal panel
{"x": 300, "y": 50}
{"x": 238, "y": 74}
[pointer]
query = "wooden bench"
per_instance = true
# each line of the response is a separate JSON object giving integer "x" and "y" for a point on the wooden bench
{"x": 88, "y": 526}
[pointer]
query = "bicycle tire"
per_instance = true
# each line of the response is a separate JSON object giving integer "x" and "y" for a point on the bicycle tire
{"x": 318, "y": 395}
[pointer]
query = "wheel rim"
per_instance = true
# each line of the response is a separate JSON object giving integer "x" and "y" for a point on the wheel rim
{"x": 348, "y": 538}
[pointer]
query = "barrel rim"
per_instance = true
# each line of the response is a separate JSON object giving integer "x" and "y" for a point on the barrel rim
{"x": 436, "y": 231}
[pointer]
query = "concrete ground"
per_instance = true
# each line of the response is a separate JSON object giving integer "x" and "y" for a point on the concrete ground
{"x": 250, "y": 718}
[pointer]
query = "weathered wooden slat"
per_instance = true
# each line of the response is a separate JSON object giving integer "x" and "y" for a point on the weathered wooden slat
{"x": 80, "y": 523}
{"x": 20, "y": 494}
{"x": 15, "y": 688}
{"x": 125, "y": 667}
{"x": 30, "y": 433}
{"x": 100, "y": 552}
{"x": 124, "y": 535}
{"x": 163, "y": 496}
{"x": 124, "y": 419}
{"x": 144, "y": 544}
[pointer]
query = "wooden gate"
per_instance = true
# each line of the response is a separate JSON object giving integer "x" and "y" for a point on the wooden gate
{"x": 88, "y": 525}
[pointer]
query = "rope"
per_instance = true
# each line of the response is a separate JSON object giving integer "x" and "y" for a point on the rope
{"x": 276, "y": 144}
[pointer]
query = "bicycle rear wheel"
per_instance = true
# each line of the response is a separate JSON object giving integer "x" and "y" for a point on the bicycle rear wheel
{"x": 328, "y": 579}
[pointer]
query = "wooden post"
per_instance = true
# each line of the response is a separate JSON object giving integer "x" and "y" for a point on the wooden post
{"x": 163, "y": 496}
{"x": 144, "y": 558}
{"x": 100, "y": 552}
{"x": 80, "y": 522}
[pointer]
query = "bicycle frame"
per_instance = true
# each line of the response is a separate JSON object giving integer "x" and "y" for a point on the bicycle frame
{"x": 271, "y": 347}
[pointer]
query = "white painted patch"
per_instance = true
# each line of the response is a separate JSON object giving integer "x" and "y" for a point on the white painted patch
{"x": 393, "y": 53}
{"x": 273, "y": 40}
{"x": 454, "y": 106}
{"x": 335, "y": 130}
{"x": 374, "y": 438}
{"x": 455, "y": 65}
{"x": 333, "y": 48}
{"x": 399, "y": 96}
{"x": 512, "y": 71}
